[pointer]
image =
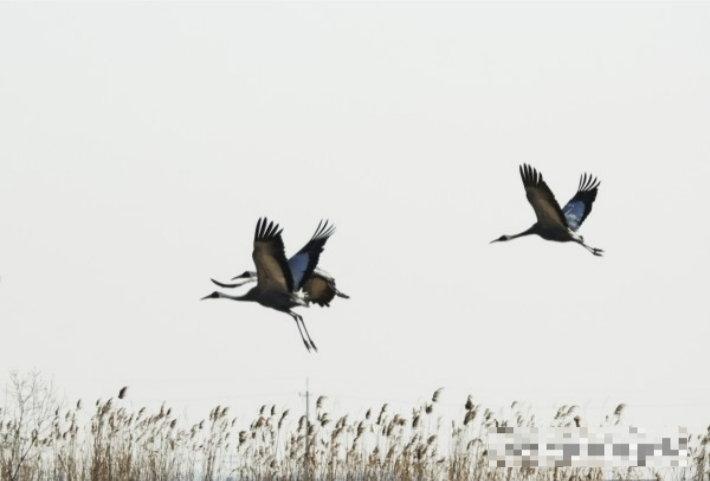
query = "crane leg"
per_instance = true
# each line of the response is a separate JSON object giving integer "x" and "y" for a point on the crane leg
{"x": 308, "y": 334}
{"x": 296, "y": 318}
{"x": 594, "y": 250}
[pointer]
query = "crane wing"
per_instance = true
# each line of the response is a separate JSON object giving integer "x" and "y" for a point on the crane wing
{"x": 548, "y": 212}
{"x": 319, "y": 290}
{"x": 305, "y": 261}
{"x": 579, "y": 206}
{"x": 272, "y": 270}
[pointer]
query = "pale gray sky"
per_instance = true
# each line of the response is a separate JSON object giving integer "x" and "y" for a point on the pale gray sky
{"x": 140, "y": 142}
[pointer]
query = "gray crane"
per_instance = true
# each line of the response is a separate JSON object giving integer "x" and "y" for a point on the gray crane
{"x": 318, "y": 287}
{"x": 274, "y": 285}
{"x": 553, "y": 223}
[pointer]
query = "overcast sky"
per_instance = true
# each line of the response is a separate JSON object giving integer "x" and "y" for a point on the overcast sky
{"x": 140, "y": 143}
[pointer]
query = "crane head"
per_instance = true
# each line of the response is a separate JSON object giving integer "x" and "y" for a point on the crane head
{"x": 501, "y": 239}
{"x": 214, "y": 295}
{"x": 245, "y": 275}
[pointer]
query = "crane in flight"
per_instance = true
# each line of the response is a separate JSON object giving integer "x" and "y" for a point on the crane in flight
{"x": 317, "y": 287}
{"x": 554, "y": 223}
{"x": 275, "y": 287}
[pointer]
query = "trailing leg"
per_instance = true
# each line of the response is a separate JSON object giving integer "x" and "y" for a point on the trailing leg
{"x": 594, "y": 250}
{"x": 296, "y": 318}
{"x": 308, "y": 334}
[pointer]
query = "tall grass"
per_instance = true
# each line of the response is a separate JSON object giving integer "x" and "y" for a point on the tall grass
{"x": 41, "y": 440}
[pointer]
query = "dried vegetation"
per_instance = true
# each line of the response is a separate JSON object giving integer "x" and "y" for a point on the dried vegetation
{"x": 40, "y": 440}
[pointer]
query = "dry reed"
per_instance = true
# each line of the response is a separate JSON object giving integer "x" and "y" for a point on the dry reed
{"x": 49, "y": 442}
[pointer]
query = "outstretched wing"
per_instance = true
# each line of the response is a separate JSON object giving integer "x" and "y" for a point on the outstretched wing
{"x": 320, "y": 288}
{"x": 305, "y": 261}
{"x": 579, "y": 206}
{"x": 272, "y": 270}
{"x": 548, "y": 212}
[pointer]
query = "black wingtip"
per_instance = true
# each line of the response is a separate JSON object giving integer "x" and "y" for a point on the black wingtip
{"x": 262, "y": 226}
{"x": 266, "y": 229}
{"x": 531, "y": 177}
{"x": 587, "y": 182}
{"x": 324, "y": 230}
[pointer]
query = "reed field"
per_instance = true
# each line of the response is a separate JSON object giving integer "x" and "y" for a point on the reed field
{"x": 43, "y": 439}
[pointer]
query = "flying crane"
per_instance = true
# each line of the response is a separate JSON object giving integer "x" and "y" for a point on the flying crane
{"x": 275, "y": 287}
{"x": 554, "y": 223}
{"x": 318, "y": 287}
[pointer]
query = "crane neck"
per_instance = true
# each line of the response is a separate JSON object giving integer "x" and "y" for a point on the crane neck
{"x": 246, "y": 297}
{"x": 531, "y": 230}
